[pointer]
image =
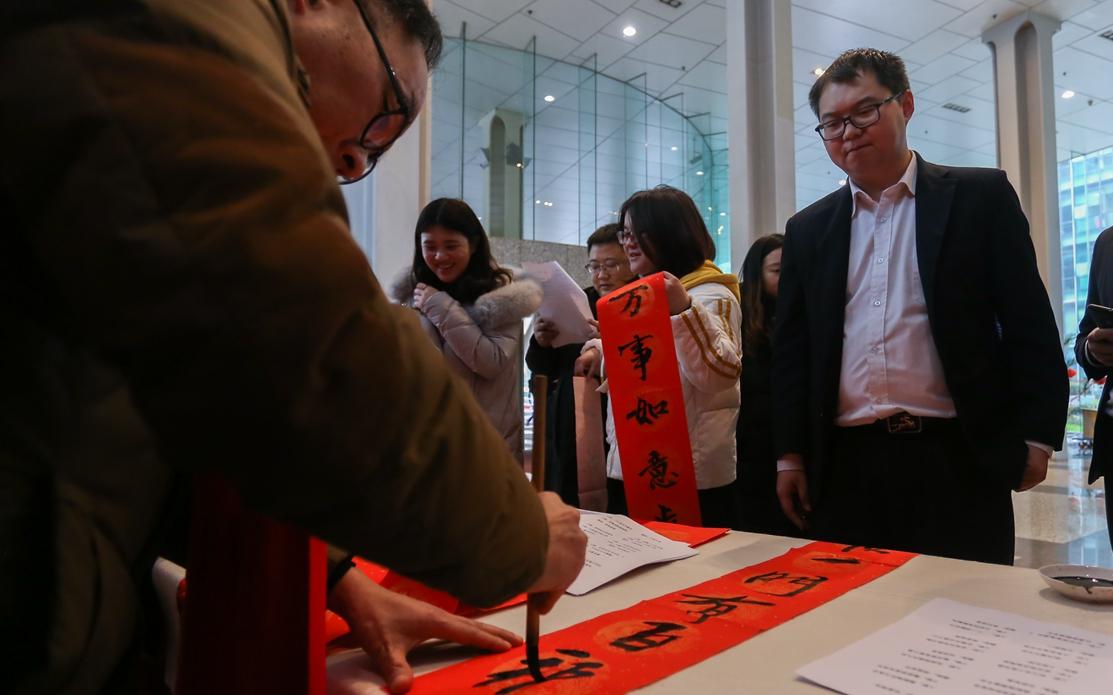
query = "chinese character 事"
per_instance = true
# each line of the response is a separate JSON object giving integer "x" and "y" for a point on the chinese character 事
{"x": 646, "y": 413}
{"x": 579, "y": 669}
{"x": 639, "y": 352}
{"x": 633, "y": 298}
{"x": 716, "y": 606}
{"x": 659, "y": 473}
{"x": 656, "y": 635}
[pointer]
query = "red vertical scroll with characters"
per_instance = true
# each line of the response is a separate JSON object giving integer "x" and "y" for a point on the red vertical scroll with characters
{"x": 647, "y": 401}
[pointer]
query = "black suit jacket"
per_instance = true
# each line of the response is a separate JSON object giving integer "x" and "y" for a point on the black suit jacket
{"x": 990, "y": 318}
{"x": 1100, "y": 292}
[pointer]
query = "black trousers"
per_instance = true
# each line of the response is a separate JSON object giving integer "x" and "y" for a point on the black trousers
{"x": 718, "y": 505}
{"x": 921, "y": 492}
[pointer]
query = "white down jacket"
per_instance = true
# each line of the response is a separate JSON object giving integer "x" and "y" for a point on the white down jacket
{"x": 482, "y": 344}
{"x": 709, "y": 352}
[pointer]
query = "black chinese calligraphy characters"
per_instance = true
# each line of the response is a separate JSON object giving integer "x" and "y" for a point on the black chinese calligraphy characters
{"x": 658, "y": 634}
{"x": 716, "y": 606}
{"x": 576, "y": 668}
{"x": 647, "y": 412}
{"x": 658, "y": 471}
{"x": 639, "y": 353}
{"x": 666, "y": 514}
{"x": 632, "y": 299}
{"x": 865, "y": 549}
{"x": 784, "y": 583}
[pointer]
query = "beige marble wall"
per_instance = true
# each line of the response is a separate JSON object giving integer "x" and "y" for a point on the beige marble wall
{"x": 514, "y": 252}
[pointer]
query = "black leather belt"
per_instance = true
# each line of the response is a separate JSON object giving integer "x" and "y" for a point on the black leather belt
{"x": 905, "y": 424}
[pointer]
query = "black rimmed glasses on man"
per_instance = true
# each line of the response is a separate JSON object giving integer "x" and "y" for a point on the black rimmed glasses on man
{"x": 610, "y": 265}
{"x": 389, "y": 124}
{"x": 862, "y": 118}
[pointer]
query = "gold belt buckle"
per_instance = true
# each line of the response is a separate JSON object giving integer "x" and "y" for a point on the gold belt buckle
{"x": 903, "y": 423}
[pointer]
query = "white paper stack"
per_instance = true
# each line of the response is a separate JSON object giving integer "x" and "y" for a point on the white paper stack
{"x": 616, "y": 545}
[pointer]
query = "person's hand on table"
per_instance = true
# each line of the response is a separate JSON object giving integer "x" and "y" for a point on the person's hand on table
{"x": 1099, "y": 346}
{"x": 588, "y": 364}
{"x": 545, "y": 332}
{"x": 422, "y": 293}
{"x": 565, "y": 557}
{"x": 1036, "y": 470}
{"x": 679, "y": 301}
{"x": 387, "y": 625}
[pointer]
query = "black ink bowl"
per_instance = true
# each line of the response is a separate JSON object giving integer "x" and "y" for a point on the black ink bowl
{"x": 1080, "y": 582}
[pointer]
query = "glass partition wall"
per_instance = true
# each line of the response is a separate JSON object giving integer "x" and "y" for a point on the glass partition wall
{"x": 547, "y": 150}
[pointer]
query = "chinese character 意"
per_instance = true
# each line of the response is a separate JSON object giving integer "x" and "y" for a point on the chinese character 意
{"x": 639, "y": 352}
{"x": 658, "y": 471}
{"x": 578, "y": 669}
{"x": 656, "y": 635}
{"x": 633, "y": 298}
{"x": 716, "y": 606}
{"x": 646, "y": 412}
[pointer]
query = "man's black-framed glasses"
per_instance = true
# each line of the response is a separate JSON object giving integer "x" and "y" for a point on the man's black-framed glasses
{"x": 861, "y": 119}
{"x": 389, "y": 124}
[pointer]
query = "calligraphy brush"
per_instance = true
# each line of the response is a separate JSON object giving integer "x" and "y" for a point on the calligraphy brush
{"x": 533, "y": 616}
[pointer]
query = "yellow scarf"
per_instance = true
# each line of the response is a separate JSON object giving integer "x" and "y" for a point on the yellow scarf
{"x": 709, "y": 272}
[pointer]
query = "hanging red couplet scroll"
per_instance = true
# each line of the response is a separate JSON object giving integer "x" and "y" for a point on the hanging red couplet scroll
{"x": 647, "y": 400}
{"x": 625, "y": 650}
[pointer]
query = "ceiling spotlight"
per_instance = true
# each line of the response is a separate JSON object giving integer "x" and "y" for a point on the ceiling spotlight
{"x": 699, "y": 173}
{"x": 818, "y": 71}
{"x": 549, "y": 98}
{"x": 629, "y": 31}
{"x": 1069, "y": 94}
{"x": 537, "y": 202}
{"x": 722, "y": 214}
{"x": 674, "y": 148}
{"x": 548, "y": 204}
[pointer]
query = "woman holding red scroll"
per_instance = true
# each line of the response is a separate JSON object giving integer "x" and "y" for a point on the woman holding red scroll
{"x": 663, "y": 231}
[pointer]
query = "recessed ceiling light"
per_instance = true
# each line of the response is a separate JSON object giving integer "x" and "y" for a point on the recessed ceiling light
{"x": 818, "y": 71}
{"x": 674, "y": 148}
{"x": 722, "y": 214}
{"x": 537, "y": 202}
{"x": 550, "y": 98}
{"x": 629, "y": 31}
{"x": 699, "y": 173}
{"x": 1069, "y": 94}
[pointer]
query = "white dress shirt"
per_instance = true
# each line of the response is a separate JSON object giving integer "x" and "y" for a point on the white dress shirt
{"x": 889, "y": 360}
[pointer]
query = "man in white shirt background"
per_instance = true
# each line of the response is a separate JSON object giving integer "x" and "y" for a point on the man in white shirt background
{"x": 918, "y": 376}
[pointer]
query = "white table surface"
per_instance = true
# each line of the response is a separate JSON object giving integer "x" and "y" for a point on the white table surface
{"x": 766, "y": 664}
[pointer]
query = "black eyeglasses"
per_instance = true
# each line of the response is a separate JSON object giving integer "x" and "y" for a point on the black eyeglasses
{"x": 863, "y": 118}
{"x": 388, "y": 125}
{"x": 626, "y": 236}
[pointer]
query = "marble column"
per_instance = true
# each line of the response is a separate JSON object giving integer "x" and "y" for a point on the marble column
{"x": 1025, "y": 89}
{"x": 761, "y": 130}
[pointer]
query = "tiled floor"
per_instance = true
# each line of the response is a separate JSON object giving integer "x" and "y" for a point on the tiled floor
{"x": 1062, "y": 520}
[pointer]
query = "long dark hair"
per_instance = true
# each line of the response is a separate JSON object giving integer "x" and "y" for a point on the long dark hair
{"x": 757, "y": 326}
{"x": 669, "y": 229}
{"x": 482, "y": 275}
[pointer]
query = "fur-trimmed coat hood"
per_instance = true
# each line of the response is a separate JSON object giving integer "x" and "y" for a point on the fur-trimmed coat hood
{"x": 481, "y": 343}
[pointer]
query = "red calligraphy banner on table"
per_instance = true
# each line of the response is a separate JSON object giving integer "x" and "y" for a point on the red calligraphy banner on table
{"x": 628, "y": 649}
{"x": 647, "y": 400}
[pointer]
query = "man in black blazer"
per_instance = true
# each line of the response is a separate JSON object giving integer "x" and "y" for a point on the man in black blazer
{"x": 1094, "y": 349}
{"x": 918, "y": 374}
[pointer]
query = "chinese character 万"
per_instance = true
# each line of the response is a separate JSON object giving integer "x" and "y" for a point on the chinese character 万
{"x": 639, "y": 352}
{"x": 716, "y": 606}
{"x": 659, "y": 473}
{"x": 633, "y": 299}
{"x": 579, "y": 669}
{"x": 646, "y": 412}
{"x": 651, "y": 638}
